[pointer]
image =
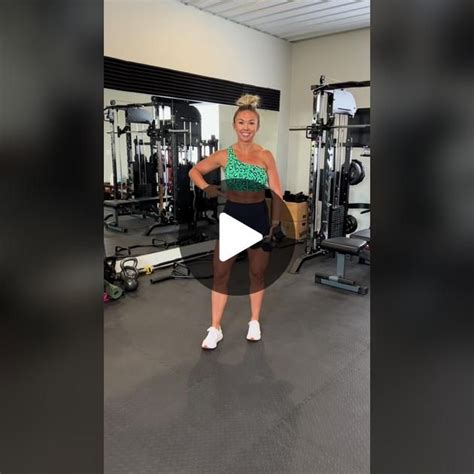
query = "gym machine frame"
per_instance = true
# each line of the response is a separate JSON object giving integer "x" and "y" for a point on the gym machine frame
{"x": 167, "y": 139}
{"x": 328, "y": 134}
{"x": 133, "y": 199}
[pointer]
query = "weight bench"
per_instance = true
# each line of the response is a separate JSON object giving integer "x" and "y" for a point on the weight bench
{"x": 122, "y": 207}
{"x": 342, "y": 246}
{"x": 364, "y": 256}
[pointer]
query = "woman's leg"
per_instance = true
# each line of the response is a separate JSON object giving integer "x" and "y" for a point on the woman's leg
{"x": 258, "y": 262}
{"x": 219, "y": 294}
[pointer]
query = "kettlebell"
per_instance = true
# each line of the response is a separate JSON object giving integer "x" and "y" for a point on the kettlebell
{"x": 129, "y": 273}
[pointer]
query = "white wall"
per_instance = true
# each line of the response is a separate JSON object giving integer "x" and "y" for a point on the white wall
{"x": 340, "y": 57}
{"x": 121, "y": 98}
{"x": 169, "y": 34}
{"x": 209, "y": 120}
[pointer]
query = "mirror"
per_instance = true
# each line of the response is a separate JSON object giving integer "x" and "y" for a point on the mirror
{"x": 150, "y": 140}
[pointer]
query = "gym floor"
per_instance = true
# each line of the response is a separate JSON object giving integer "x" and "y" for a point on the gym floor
{"x": 295, "y": 402}
{"x": 136, "y": 228}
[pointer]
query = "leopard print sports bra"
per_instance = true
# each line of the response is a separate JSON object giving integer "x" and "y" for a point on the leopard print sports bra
{"x": 242, "y": 176}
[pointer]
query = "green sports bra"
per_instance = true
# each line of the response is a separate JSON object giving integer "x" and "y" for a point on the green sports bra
{"x": 242, "y": 176}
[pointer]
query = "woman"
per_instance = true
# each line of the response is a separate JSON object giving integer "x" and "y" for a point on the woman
{"x": 249, "y": 169}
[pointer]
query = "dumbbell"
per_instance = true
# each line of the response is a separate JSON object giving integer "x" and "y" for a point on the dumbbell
{"x": 269, "y": 241}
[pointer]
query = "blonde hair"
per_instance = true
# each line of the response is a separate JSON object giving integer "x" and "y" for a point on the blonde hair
{"x": 248, "y": 102}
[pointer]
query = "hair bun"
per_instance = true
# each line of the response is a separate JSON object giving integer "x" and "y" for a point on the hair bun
{"x": 248, "y": 100}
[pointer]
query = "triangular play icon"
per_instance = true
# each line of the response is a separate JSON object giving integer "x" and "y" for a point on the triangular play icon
{"x": 234, "y": 237}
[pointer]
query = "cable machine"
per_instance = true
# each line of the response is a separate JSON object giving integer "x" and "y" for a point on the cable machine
{"x": 157, "y": 185}
{"x": 331, "y": 144}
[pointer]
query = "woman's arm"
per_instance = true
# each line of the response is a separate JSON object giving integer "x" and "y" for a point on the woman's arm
{"x": 211, "y": 163}
{"x": 275, "y": 186}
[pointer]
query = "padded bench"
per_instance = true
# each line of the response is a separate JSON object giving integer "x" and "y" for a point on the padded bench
{"x": 342, "y": 246}
{"x": 124, "y": 207}
{"x": 364, "y": 256}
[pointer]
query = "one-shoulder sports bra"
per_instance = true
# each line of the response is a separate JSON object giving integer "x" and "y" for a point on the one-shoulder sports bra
{"x": 242, "y": 176}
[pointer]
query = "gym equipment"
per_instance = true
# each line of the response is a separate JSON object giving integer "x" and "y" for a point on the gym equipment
{"x": 342, "y": 246}
{"x": 126, "y": 207}
{"x": 180, "y": 267}
{"x": 110, "y": 117}
{"x": 114, "y": 292}
{"x": 155, "y": 243}
{"x": 360, "y": 205}
{"x": 157, "y": 185}
{"x": 203, "y": 203}
{"x": 110, "y": 274}
{"x": 356, "y": 172}
{"x": 330, "y": 142}
{"x": 350, "y": 224}
{"x": 360, "y": 135}
{"x": 148, "y": 269}
{"x": 139, "y": 115}
{"x": 364, "y": 256}
{"x": 180, "y": 270}
{"x": 269, "y": 243}
{"x": 129, "y": 273}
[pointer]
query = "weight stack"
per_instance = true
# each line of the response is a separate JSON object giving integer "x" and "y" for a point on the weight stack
{"x": 336, "y": 222}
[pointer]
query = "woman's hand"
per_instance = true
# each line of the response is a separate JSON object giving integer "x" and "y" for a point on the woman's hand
{"x": 276, "y": 233}
{"x": 213, "y": 191}
{"x": 272, "y": 230}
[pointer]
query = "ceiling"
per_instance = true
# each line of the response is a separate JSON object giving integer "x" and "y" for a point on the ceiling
{"x": 291, "y": 20}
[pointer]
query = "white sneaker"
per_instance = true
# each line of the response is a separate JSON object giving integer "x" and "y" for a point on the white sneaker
{"x": 213, "y": 337}
{"x": 254, "y": 333}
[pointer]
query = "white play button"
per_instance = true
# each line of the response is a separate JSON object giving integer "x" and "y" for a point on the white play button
{"x": 234, "y": 237}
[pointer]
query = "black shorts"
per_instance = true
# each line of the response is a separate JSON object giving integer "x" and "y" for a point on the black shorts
{"x": 254, "y": 215}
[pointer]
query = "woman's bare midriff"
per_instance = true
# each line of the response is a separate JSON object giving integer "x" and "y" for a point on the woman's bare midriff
{"x": 245, "y": 197}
